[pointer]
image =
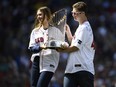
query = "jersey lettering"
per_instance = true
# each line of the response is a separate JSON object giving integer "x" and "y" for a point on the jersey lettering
{"x": 40, "y": 39}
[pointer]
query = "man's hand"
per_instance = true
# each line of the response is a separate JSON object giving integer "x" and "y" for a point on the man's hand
{"x": 64, "y": 45}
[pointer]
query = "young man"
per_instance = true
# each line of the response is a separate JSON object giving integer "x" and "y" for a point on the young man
{"x": 80, "y": 68}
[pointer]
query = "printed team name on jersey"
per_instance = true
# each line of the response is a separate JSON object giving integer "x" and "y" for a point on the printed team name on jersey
{"x": 40, "y": 39}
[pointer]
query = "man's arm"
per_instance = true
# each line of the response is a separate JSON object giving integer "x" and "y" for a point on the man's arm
{"x": 68, "y": 49}
{"x": 68, "y": 33}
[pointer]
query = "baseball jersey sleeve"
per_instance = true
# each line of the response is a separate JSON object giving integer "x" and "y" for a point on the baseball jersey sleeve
{"x": 32, "y": 40}
{"x": 79, "y": 38}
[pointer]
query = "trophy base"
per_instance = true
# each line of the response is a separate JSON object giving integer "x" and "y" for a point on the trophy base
{"x": 54, "y": 44}
{"x": 53, "y": 47}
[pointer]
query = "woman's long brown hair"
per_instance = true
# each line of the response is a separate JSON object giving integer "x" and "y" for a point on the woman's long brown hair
{"x": 46, "y": 12}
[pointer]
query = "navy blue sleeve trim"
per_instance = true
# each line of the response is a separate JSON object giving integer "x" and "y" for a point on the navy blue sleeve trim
{"x": 35, "y": 49}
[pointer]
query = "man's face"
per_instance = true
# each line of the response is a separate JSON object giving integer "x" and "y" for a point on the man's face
{"x": 76, "y": 14}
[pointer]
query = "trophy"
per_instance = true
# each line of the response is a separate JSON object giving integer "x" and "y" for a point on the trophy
{"x": 56, "y": 36}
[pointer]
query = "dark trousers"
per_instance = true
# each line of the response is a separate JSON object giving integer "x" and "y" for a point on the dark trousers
{"x": 79, "y": 79}
{"x": 35, "y": 72}
{"x": 44, "y": 79}
{"x": 39, "y": 79}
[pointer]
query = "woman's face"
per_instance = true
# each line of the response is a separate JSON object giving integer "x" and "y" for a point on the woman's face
{"x": 40, "y": 16}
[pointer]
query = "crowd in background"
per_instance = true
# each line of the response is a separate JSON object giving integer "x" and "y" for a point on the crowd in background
{"x": 16, "y": 23}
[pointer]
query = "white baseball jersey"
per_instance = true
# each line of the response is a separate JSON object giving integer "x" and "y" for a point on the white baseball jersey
{"x": 49, "y": 58}
{"x": 83, "y": 58}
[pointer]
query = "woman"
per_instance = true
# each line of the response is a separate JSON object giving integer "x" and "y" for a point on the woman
{"x": 44, "y": 61}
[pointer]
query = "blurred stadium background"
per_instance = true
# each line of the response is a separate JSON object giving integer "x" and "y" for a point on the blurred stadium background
{"x": 16, "y": 21}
